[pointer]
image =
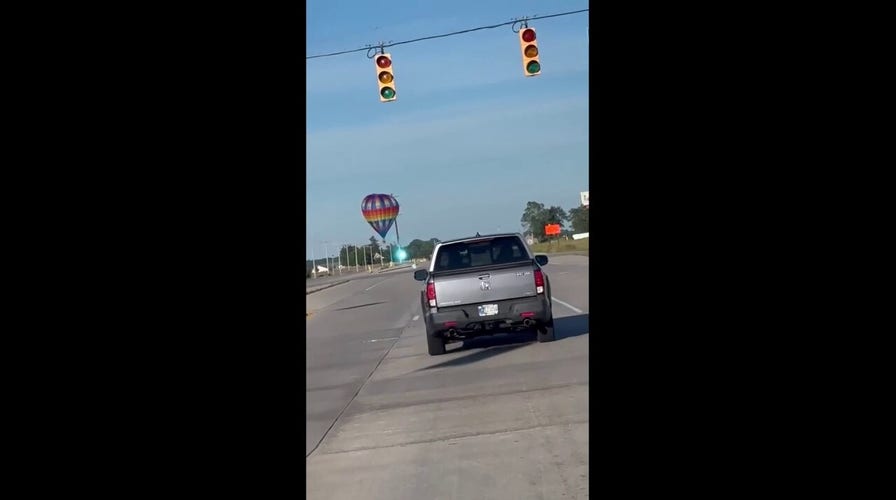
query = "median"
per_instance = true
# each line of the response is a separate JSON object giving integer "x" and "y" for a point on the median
{"x": 309, "y": 291}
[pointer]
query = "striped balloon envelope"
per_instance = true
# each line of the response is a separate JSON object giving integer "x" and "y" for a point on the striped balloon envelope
{"x": 380, "y": 211}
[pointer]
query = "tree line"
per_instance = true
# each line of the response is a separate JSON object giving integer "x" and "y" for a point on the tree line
{"x": 536, "y": 216}
{"x": 375, "y": 254}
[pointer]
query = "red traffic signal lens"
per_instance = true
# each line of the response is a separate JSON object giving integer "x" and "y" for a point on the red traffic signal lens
{"x": 531, "y": 51}
{"x": 533, "y": 67}
{"x": 528, "y": 35}
{"x": 387, "y": 93}
{"x": 383, "y": 62}
{"x": 385, "y": 77}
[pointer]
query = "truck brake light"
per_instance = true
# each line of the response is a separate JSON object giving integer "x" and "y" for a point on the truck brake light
{"x": 539, "y": 282}
{"x": 431, "y": 293}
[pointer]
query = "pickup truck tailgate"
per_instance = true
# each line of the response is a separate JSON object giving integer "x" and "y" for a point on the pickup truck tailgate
{"x": 484, "y": 286}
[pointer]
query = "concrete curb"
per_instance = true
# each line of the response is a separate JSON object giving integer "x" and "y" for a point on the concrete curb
{"x": 324, "y": 287}
{"x": 396, "y": 268}
{"x": 574, "y": 252}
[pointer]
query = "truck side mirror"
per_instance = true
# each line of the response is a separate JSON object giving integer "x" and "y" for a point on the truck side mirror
{"x": 421, "y": 274}
{"x": 541, "y": 259}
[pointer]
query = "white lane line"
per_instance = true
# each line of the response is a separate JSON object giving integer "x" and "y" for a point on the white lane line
{"x": 380, "y": 283}
{"x": 380, "y": 340}
{"x": 416, "y": 317}
{"x": 574, "y": 308}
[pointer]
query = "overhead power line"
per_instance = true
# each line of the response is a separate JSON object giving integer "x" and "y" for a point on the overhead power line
{"x": 390, "y": 44}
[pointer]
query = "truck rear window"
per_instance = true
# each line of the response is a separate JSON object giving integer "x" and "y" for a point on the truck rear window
{"x": 484, "y": 252}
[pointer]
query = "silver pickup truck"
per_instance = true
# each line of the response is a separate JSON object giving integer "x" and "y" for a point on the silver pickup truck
{"x": 484, "y": 285}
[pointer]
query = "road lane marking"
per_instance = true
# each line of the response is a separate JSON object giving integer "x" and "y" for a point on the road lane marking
{"x": 379, "y": 340}
{"x": 416, "y": 317}
{"x": 574, "y": 308}
{"x": 381, "y": 282}
{"x": 378, "y": 363}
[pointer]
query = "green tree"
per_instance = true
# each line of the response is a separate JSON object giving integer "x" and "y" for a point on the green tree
{"x": 556, "y": 215}
{"x": 533, "y": 214}
{"x": 536, "y": 216}
{"x": 414, "y": 249}
{"x": 427, "y": 248}
{"x": 348, "y": 255}
{"x": 369, "y": 251}
{"x": 578, "y": 217}
{"x": 420, "y": 249}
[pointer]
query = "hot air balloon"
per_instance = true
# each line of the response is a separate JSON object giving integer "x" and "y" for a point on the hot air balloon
{"x": 380, "y": 211}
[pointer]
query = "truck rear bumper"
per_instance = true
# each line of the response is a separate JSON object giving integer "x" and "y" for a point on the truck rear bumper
{"x": 465, "y": 320}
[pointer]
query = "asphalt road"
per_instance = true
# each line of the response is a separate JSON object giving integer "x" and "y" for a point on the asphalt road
{"x": 499, "y": 417}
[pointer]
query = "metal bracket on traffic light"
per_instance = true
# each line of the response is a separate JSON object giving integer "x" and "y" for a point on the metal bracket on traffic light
{"x": 524, "y": 23}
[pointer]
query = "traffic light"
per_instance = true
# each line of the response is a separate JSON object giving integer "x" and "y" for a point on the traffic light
{"x": 529, "y": 48}
{"x": 385, "y": 78}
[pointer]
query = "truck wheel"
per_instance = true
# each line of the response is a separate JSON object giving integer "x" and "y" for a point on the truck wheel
{"x": 546, "y": 332}
{"x": 435, "y": 344}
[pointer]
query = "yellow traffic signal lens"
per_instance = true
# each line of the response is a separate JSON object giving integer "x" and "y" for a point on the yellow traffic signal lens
{"x": 387, "y": 93}
{"x": 385, "y": 77}
{"x": 531, "y": 51}
{"x": 383, "y": 62}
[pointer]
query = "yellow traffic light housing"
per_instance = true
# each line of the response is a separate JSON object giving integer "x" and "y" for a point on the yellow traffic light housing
{"x": 385, "y": 78}
{"x": 529, "y": 49}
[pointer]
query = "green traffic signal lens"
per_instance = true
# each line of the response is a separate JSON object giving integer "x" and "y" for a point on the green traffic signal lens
{"x": 387, "y": 93}
{"x": 533, "y": 67}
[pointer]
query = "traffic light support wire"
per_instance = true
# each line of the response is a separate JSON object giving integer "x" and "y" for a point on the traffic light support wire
{"x": 512, "y": 24}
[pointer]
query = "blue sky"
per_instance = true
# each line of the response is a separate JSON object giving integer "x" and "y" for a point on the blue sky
{"x": 468, "y": 142}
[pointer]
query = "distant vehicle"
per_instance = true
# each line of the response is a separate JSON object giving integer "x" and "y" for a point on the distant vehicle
{"x": 484, "y": 285}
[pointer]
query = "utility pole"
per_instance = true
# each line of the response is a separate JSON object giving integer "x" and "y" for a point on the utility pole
{"x": 327, "y": 253}
{"x": 356, "y": 258}
{"x": 313, "y": 265}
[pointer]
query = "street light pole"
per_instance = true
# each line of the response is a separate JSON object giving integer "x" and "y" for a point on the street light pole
{"x": 356, "y": 258}
{"x": 313, "y": 264}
